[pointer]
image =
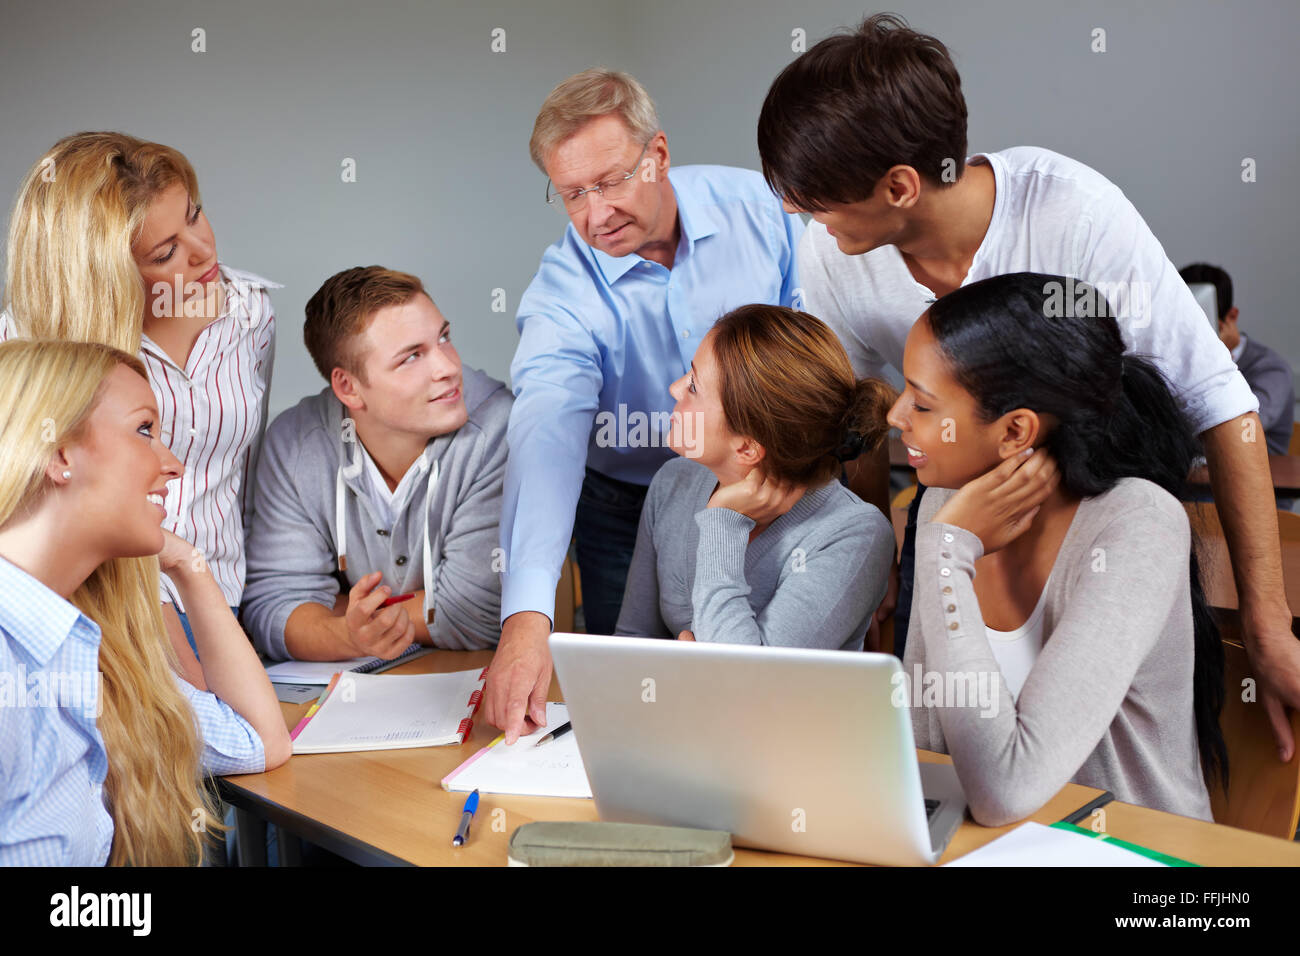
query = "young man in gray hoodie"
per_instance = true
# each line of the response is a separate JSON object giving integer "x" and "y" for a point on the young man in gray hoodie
{"x": 387, "y": 482}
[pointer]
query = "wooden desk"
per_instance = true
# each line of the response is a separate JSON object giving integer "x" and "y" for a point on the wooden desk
{"x": 1195, "y": 840}
{"x": 387, "y": 807}
{"x": 1284, "y": 468}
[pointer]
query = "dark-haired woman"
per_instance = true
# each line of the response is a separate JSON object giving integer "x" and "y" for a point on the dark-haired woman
{"x": 1060, "y": 568}
{"x": 748, "y": 538}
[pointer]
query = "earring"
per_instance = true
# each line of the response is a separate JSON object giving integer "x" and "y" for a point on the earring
{"x": 67, "y": 475}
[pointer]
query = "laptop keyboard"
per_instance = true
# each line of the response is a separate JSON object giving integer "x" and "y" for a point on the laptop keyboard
{"x": 930, "y": 807}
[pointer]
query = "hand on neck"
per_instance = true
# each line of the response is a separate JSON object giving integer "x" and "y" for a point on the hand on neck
{"x": 732, "y": 473}
{"x": 1059, "y": 507}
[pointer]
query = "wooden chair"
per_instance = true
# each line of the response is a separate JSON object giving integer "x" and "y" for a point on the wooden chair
{"x": 1204, "y": 520}
{"x": 567, "y": 596}
{"x": 1263, "y": 795}
{"x": 904, "y": 498}
{"x": 1288, "y": 525}
{"x": 1294, "y": 448}
{"x": 898, "y": 513}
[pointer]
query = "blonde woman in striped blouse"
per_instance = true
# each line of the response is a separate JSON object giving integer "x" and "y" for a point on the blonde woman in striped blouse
{"x": 109, "y": 243}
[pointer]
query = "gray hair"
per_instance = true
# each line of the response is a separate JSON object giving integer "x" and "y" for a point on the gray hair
{"x": 584, "y": 97}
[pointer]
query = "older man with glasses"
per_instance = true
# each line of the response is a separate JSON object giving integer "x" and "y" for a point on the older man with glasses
{"x": 649, "y": 261}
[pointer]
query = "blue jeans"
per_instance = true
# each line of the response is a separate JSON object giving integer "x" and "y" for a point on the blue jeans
{"x": 189, "y": 635}
{"x": 906, "y": 574}
{"x": 604, "y": 526}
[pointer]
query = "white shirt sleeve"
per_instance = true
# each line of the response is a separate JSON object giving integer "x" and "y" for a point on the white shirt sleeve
{"x": 1116, "y": 251}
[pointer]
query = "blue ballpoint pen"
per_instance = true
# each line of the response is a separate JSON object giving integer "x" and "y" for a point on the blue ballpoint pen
{"x": 462, "y": 832}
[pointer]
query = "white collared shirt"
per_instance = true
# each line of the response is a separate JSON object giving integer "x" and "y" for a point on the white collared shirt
{"x": 388, "y": 504}
{"x": 211, "y": 415}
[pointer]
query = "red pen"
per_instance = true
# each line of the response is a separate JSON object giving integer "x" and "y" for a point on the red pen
{"x": 397, "y": 599}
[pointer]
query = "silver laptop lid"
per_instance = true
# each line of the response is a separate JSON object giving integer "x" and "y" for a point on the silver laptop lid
{"x": 1207, "y": 297}
{"x": 801, "y": 751}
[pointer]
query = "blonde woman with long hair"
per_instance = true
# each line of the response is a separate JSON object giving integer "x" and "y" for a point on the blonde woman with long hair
{"x": 106, "y": 765}
{"x": 108, "y": 242}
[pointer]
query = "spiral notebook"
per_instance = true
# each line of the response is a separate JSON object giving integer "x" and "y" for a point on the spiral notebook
{"x": 393, "y": 711}
{"x": 320, "y": 672}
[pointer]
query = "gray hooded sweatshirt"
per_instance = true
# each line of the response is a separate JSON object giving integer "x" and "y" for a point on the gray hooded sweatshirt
{"x": 296, "y": 554}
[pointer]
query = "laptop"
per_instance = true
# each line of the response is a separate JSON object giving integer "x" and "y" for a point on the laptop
{"x": 1207, "y": 297}
{"x": 793, "y": 750}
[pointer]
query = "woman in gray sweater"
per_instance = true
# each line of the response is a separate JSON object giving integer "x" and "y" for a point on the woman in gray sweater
{"x": 1059, "y": 572}
{"x": 748, "y": 538}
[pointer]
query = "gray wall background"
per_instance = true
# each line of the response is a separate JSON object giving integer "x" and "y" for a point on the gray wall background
{"x": 438, "y": 123}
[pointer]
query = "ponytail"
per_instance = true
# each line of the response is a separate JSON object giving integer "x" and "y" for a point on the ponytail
{"x": 865, "y": 426}
{"x": 786, "y": 382}
{"x": 1149, "y": 418}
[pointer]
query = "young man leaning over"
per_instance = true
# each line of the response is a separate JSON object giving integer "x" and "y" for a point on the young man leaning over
{"x": 389, "y": 480}
{"x": 867, "y": 132}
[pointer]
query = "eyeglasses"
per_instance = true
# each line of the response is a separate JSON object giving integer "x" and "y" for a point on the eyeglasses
{"x": 610, "y": 189}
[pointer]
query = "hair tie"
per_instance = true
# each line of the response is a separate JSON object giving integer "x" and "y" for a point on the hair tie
{"x": 851, "y": 447}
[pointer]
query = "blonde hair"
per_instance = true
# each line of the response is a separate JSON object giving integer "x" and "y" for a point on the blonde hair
{"x": 584, "y": 97}
{"x": 70, "y": 272}
{"x": 48, "y": 390}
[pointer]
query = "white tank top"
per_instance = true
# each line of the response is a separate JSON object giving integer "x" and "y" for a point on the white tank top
{"x": 1015, "y": 651}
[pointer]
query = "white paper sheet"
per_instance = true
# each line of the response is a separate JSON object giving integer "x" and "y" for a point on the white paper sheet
{"x": 1032, "y": 844}
{"x": 555, "y": 770}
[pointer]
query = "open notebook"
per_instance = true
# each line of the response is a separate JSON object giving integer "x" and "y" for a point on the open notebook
{"x": 393, "y": 711}
{"x": 523, "y": 770}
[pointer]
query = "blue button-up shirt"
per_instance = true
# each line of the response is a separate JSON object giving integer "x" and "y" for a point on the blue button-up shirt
{"x": 601, "y": 340}
{"x": 52, "y": 759}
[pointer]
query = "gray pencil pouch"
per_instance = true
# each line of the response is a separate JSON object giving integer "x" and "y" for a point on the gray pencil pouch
{"x": 617, "y": 844}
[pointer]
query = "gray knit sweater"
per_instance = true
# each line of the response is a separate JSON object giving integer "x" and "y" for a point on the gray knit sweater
{"x": 811, "y": 579}
{"x": 1108, "y": 702}
{"x": 292, "y": 547}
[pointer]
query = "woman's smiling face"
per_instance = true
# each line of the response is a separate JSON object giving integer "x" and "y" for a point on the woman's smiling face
{"x": 947, "y": 442}
{"x": 120, "y": 468}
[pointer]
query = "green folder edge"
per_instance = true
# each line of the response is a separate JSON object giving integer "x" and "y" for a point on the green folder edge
{"x": 1133, "y": 847}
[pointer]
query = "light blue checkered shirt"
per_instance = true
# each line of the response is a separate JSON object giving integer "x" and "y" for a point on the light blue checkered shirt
{"x": 230, "y": 744}
{"x": 52, "y": 758}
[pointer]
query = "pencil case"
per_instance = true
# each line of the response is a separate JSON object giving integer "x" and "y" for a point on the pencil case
{"x": 617, "y": 844}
